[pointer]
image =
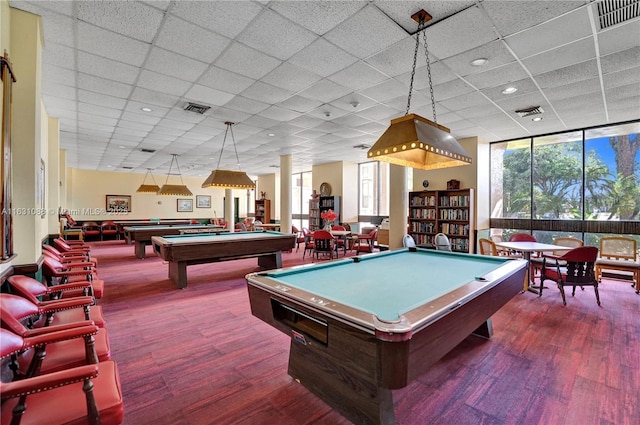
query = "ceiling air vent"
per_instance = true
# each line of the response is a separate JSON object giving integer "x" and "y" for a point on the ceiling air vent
{"x": 533, "y": 110}
{"x": 361, "y": 146}
{"x": 126, "y": 167}
{"x": 145, "y": 150}
{"x": 614, "y": 12}
{"x": 194, "y": 107}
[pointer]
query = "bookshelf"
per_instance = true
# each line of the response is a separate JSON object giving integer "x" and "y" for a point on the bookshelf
{"x": 448, "y": 211}
{"x": 263, "y": 210}
{"x": 314, "y": 214}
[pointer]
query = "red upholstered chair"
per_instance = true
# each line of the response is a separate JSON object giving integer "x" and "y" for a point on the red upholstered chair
{"x": 70, "y": 247}
{"x": 90, "y": 230}
{"x": 365, "y": 242}
{"x": 57, "y": 273}
{"x": 54, "y": 311}
{"x": 308, "y": 241}
{"x": 86, "y": 342}
{"x": 299, "y": 237}
{"x": 522, "y": 237}
{"x": 86, "y": 394}
{"x": 323, "y": 243}
{"x": 578, "y": 271}
{"x": 109, "y": 229}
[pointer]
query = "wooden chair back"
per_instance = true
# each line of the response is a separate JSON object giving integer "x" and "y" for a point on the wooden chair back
{"x": 487, "y": 247}
{"x": 618, "y": 248}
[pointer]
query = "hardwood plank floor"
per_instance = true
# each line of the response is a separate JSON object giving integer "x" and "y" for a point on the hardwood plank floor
{"x": 198, "y": 356}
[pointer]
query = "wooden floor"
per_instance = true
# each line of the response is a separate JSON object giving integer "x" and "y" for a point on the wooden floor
{"x": 197, "y": 356}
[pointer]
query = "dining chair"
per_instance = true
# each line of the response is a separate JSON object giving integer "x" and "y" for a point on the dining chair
{"x": 323, "y": 243}
{"x": 89, "y": 393}
{"x": 408, "y": 241}
{"x": 308, "y": 241}
{"x": 536, "y": 263}
{"x": 619, "y": 254}
{"x": 90, "y": 230}
{"x": 109, "y": 228}
{"x": 342, "y": 241}
{"x": 442, "y": 242}
{"x": 365, "y": 242}
{"x": 578, "y": 271}
{"x": 488, "y": 247}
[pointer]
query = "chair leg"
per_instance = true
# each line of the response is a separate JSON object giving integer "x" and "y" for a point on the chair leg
{"x": 595, "y": 288}
{"x": 564, "y": 298}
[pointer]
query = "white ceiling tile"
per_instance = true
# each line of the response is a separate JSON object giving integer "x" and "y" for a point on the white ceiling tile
{"x": 318, "y": 16}
{"x": 163, "y": 83}
{"x": 398, "y": 58}
{"x": 112, "y": 122}
{"x": 228, "y": 18}
{"x": 173, "y": 64}
{"x": 366, "y": 32}
{"x": 246, "y": 105}
{"x": 463, "y": 31}
{"x": 266, "y": 93}
{"x": 101, "y": 99}
{"x": 110, "y": 45}
{"x": 567, "y": 75}
{"x": 299, "y": 104}
{"x": 140, "y": 118}
{"x": 59, "y": 91}
{"x": 136, "y": 126}
{"x": 620, "y": 37}
{"x": 104, "y": 86}
{"x": 495, "y": 52}
{"x": 247, "y": 61}
{"x": 107, "y": 68}
{"x": 524, "y": 86}
{"x": 358, "y": 76}
{"x": 550, "y": 35}
{"x": 389, "y": 89}
{"x": 291, "y": 77}
{"x": 322, "y": 58}
{"x": 174, "y": 124}
{"x": 625, "y": 59}
{"x": 208, "y": 96}
{"x": 620, "y": 78}
{"x": 221, "y": 79}
{"x": 569, "y": 54}
{"x": 59, "y": 55}
{"x": 280, "y": 114}
{"x": 133, "y": 19}
{"x": 153, "y": 99}
{"x": 510, "y": 17}
{"x": 591, "y": 85}
{"x": 190, "y": 40}
{"x": 497, "y": 76}
{"x": 325, "y": 91}
{"x": 465, "y": 101}
{"x": 270, "y": 26}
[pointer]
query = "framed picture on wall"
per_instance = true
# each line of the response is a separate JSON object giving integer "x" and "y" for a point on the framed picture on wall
{"x": 185, "y": 205}
{"x": 118, "y": 203}
{"x": 203, "y": 201}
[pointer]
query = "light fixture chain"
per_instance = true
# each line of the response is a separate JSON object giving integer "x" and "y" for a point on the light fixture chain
{"x": 223, "y": 143}
{"x": 233, "y": 139}
{"x": 173, "y": 158}
{"x": 426, "y": 52}
{"x": 413, "y": 69}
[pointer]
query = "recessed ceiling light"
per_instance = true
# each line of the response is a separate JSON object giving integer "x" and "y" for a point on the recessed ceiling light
{"x": 536, "y": 119}
{"x": 479, "y": 61}
{"x": 271, "y": 134}
{"x": 509, "y": 90}
{"x": 146, "y": 109}
{"x": 121, "y": 147}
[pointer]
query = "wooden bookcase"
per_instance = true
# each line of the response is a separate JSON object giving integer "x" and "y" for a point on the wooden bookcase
{"x": 314, "y": 214}
{"x": 329, "y": 203}
{"x": 263, "y": 210}
{"x": 447, "y": 211}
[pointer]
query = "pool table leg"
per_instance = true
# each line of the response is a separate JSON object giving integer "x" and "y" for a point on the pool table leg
{"x": 354, "y": 393}
{"x": 485, "y": 330}
{"x": 140, "y": 248}
{"x": 178, "y": 273}
{"x": 270, "y": 261}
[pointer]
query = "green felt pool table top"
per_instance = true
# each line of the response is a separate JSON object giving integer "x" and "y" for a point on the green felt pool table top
{"x": 391, "y": 283}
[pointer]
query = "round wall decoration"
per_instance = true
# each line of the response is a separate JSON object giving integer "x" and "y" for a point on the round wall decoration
{"x": 425, "y": 183}
{"x": 325, "y": 189}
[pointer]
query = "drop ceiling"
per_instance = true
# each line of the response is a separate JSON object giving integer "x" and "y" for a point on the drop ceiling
{"x": 320, "y": 80}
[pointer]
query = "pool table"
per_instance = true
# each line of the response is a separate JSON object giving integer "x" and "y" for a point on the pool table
{"x": 140, "y": 236}
{"x": 185, "y": 250}
{"x": 361, "y": 327}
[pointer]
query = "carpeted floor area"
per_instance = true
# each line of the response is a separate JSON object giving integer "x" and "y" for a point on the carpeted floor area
{"x": 198, "y": 356}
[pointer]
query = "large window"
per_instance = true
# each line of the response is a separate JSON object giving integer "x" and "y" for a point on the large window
{"x": 301, "y": 189}
{"x": 585, "y": 181}
{"x": 373, "y": 199}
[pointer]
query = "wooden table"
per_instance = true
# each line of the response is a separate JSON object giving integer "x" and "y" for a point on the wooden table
{"x": 267, "y": 226}
{"x": 341, "y": 234}
{"x": 527, "y": 248}
{"x": 185, "y": 250}
{"x": 140, "y": 236}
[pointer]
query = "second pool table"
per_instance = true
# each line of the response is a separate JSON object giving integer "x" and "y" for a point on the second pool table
{"x": 363, "y": 326}
{"x": 185, "y": 250}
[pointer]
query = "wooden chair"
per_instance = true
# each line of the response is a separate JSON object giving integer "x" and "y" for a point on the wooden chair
{"x": 578, "y": 271}
{"x": 90, "y": 393}
{"x": 109, "y": 228}
{"x": 323, "y": 243}
{"x": 90, "y": 230}
{"x": 488, "y": 247}
{"x": 308, "y": 241}
{"x": 365, "y": 242}
{"x": 536, "y": 263}
{"x": 619, "y": 253}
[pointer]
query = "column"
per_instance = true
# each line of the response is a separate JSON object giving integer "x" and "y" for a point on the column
{"x": 285, "y": 193}
{"x": 398, "y": 205}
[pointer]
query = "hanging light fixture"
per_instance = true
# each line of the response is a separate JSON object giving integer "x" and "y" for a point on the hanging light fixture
{"x": 148, "y": 188}
{"x": 174, "y": 189}
{"x": 414, "y": 141}
{"x": 227, "y": 179}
